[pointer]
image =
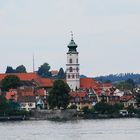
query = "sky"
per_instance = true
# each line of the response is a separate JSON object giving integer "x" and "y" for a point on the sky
{"x": 107, "y": 33}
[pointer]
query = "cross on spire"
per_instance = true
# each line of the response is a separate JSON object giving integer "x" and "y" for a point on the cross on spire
{"x": 71, "y": 35}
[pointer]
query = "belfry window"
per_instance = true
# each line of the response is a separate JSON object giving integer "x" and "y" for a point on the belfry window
{"x": 77, "y": 60}
{"x": 73, "y": 76}
{"x": 70, "y": 61}
{"x": 77, "y": 69}
{"x": 68, "y": 76}
{"x": 71, "y": 69}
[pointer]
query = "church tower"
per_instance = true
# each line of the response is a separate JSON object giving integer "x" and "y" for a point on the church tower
{"x": 72, "y": 66}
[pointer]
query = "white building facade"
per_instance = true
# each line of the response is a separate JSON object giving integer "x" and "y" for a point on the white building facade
{"x": 72, "y": 67}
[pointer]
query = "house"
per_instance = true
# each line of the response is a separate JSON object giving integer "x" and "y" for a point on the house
{"x": 31, "y": 79}
{"x": 107, "y": 86}
{"x": 117, "y": 92}
{"x": 27, "y": 102}
{"x": 128, "y": 100}
{"x": 40, "y": 102}
{"x": 80, "y": 99}
{"x": 113, "y": 99}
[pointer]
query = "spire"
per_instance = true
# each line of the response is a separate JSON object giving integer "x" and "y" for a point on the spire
{"x": 71, "y": 35}
{"x": 72, "y": 45}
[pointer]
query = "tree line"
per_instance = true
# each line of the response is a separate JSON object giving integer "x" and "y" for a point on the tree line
{"x": 44, "y": 71}
{"x": 119, "y": 77}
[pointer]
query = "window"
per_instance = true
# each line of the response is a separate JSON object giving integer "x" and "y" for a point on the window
{"x": 77, "y": 69}
{"x": 73, "y": 76}
{"x": 70, "y": 61}
{"x": 30, "y": 104}
{"x": 77, "y": 60}
{"x": 71, "y": 69}
{"x": 68, "y": 76}
{"x": 77, "y": 75}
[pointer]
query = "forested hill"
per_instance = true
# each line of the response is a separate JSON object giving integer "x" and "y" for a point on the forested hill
{"x": 119, "y": 77}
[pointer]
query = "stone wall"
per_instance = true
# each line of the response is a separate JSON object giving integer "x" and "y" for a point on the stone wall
{"x": 54, "y": 114}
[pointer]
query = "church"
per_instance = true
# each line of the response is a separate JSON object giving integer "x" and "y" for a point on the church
{"x": 72, "y": 66}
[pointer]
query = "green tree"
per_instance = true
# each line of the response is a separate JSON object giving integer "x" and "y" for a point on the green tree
{"x": 3, "y": 103}
{"x": 21, "y": 69}
{"x": 124, "y": 86}
{"x": 13, "y": 105}
{"x": 10, "y": 81}
{"x": 44, "y": 70}
{"x": 131, "y": 82}
{"x": 138, "y": 98}
{"x": 103, "y": 108}
{"x": 61, "y": 74}
{"x": 9, "y": 69}
{"x": 59, "y": 95}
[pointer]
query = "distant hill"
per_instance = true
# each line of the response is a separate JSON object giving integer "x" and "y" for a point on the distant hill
{"x": 119, "y": 77}
{"x": 83, "y": 76}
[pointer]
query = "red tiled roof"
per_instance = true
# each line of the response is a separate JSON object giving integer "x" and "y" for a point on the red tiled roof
{"x": 89, "y": 83}
{"x": 79, "y": 94}
{"x": 41, "y": 92}
{"x": 22, "y": 76}
{"x": 126, "y": 98}
{"x": 44, "y": 82}
{"x": 108, "y": 85}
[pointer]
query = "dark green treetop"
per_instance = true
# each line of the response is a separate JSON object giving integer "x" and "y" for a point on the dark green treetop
{"x": 59, "y": 95}
{"x": 21, "y": 69}
{"x": 10, "y": 81}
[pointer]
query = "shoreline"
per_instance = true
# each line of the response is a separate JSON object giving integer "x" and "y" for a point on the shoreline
{"x": 24, "y": 118}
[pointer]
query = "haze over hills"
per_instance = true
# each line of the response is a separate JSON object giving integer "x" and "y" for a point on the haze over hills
{"x": 119, "y": 77}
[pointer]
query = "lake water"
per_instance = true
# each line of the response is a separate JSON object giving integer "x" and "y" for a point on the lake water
{"x": 112, "y": 129}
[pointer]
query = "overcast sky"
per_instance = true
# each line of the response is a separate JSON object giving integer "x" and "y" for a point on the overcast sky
{"x": 107, "y": 33}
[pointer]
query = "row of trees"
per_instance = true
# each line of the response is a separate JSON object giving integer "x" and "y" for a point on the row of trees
{"x": 43, "y": 70}
{"x": 126, "y": 85}
{"x": 119, "y": 77}
{"x": 108, "y": 109}
{"x": 19, "y": 69}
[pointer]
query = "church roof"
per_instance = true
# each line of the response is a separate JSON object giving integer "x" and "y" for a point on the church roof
{"x": 72, "y": 46}
{"x": 87, "y": 83}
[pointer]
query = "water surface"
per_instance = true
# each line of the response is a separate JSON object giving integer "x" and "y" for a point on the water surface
{"x": 111, "y": 129}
